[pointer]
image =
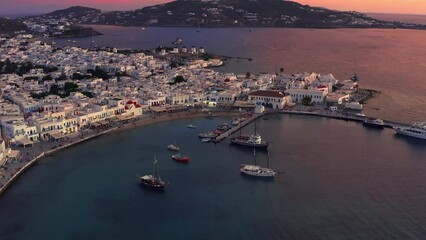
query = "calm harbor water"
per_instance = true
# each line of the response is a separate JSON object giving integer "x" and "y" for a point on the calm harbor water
{"x": 391, "y": 61}
{"x": 341, "y": 181}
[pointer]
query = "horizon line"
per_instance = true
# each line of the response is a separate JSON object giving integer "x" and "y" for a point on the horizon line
{"x": 133, "y": 9}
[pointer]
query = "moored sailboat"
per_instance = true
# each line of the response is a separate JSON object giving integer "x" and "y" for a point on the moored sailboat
{"x": 254, "y": 140}
{"x": 153, "y": 181}
{"x": 257, "y": 171}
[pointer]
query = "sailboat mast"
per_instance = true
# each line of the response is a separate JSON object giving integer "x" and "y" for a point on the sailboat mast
{"x": 254, "y": 154}
{"x": 155, "y": 167}
{"x": 239, "y": 121}
{"x": 255, "y": 127}
{"x": 267, "y": 163}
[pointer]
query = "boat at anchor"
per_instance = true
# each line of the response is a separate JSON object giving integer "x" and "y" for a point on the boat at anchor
{"x": 254, "y": 140}
{"x": 257, "y": 171}
{"x": 153, "y": 181}
{"x": 179, "y": 158}
{"x": 173, "y": 147}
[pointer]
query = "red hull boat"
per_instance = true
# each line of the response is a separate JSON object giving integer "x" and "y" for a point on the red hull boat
{"x": 179, "y": 158}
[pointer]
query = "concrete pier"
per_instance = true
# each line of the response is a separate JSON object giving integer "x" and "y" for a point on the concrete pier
{"x": 234, "y": 129}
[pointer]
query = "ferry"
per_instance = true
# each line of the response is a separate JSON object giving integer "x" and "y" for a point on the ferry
{"x": 417, "y": 130}
{"x": 173, "y": 147}
{"x": 374, "y": 123}
{"x": 180, "y": 158}
{"x": 191, "y": 126}
{"x": 153, "y": 182}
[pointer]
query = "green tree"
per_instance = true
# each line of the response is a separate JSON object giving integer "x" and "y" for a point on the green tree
{"x": 47, "y": 78}
{"x": 10, "y": 67}
{"x": 77, "y": 76}
{"x": 174, "y": 64}
{"x": 63, "y": 77}
{"x": 307, "y": 101}
{"x": 87, "y": 94}
{"x": 179, "y": 79}
{"x": 99, "y": 73}
{"x": 54, "y": 89}
{"x": 70, "y": 87}
{"x": 1, "y": 66}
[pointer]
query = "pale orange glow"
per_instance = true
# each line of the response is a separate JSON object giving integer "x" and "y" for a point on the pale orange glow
{"x": 370, "y": 6}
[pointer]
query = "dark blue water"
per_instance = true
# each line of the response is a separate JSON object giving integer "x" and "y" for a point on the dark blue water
{"x": 341, "y": 181}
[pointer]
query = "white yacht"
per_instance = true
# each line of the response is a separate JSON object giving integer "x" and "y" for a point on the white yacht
{"x": 374, "y": 123}
{"x": 417, "y": 130}
{"x": 257, "y": 171}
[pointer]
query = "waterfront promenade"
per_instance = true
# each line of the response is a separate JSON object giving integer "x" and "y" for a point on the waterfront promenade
{"x": 30, "y": 155}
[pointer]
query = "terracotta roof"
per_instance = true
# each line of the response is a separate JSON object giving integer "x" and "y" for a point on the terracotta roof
{"x": 267, "y": 93}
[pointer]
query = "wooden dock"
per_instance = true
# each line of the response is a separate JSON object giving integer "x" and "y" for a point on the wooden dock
{"x": 234, "y": 129}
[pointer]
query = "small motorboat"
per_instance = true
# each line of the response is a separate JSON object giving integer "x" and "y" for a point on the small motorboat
{"x": 205, "y": 140}
{"x": 191, "y": 126}
{"x": 180, "y": 158}
{"x": 173, "y": 147}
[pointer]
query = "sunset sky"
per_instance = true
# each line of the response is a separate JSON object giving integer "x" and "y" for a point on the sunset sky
{"x": 38, "y": 6}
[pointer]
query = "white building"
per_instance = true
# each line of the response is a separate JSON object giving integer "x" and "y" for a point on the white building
{"x": 317, "y": 96}
{"x": 269, "y": 98}
{"x": 18, "y": 130}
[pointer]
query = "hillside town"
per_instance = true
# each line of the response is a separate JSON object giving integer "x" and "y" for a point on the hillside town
{"x": 50, "y": 93}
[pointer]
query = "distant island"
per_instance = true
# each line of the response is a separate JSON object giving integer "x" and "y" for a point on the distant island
{"x": 71, "y": 22}
{"x": 222, "y": 13}
{"x": 9, "y": 26}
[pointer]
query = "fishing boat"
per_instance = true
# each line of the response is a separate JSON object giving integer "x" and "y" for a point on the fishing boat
{"x": 417, "y": 130}
{"x": 378, "y": 123}
{"x": 355, "y": 77}
{"x": 206, "y": 140}
{"x": 191, "y": 126}
{"x": 178, "y": 41}
{"x": 209, "y": 134}
{"x": 254, "y": 140}
{"x": 153, "y": 182}
{"x": 179, "y": 158}
{"x": 223, "y": 127}
{"x": 235, "y": 122}
{"x": 257, "y": 171}
{"x": 173, "y": 147}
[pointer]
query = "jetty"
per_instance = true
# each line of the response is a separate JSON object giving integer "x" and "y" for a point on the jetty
{"x": 234, "y": 129}
{"x": 353, "y": 118}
